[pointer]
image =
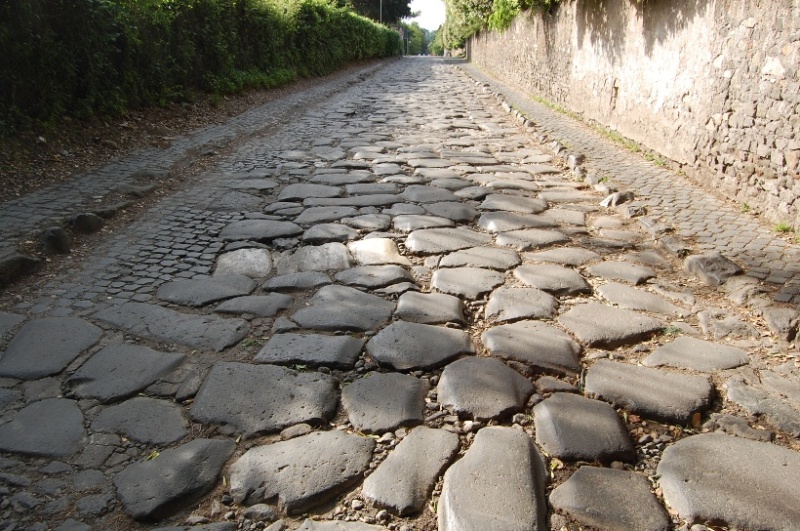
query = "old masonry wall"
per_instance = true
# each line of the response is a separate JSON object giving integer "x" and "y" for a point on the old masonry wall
{"x": 713, "y": 85}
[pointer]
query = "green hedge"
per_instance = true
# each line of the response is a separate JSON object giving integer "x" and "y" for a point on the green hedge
{"x": 87, "y": 57}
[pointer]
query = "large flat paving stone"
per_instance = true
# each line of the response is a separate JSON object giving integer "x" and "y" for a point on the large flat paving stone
{"x": 632, "y": 298}
{"x": 483, "y": 388}
{"x": 162, "y": 324}
{"x": 324, "y": 214}
{"x": 255, "y": 399}
{"x": 471, "y": 192}
{"x": 720, "y": 323}
{"x": 466, "y": 282}
{"x": 360, "y": 201}
{"x": 260, "y": 230}
{"x": 383, "y": 402}
{"x": 326, "y": 257}
{"x": 403, "y": 482}
{"x": 342, "y": 179}
{"x": 301, "y": 472}
{"x": 329, "y": 232}
{"x": 437, "y": 173}
{"x": 573, "y": 427}
{"x": 474, "y": 159}
{"x": 514, "y": 203}
{"x": 508, "y": 221}
{"x": 198, "y": 292}
{"x": 649, "y": 258}
{"x": 512, "y": 303}
{"x": 155, "y": 489}
{"x": 768, "y": 395}
{"x": 541, "y": 169}
{"x": 411, "y": 222}
{"x": 567, "y": 216}
{"x": 377, "y": 251}
{"x": 627, "y": 272}
{"x": 499, "y": 484}
{"x": 554, "y": 279}
{"x": 350, "y": 164}
{"x": 406, "y": 223}
{"x": 609, "y": 499}
{"x": 119, "y": 371}
{"x": 713, "y": 268}
{"x": 370, "y": 222}
{"x": 8, "y": 397}
{"x": 696, "y": 354}
{"x": 600, "y": 325}
{"x": 338, "y": 352}
{"x": 259, "y": 305}
{"x": 145, "y": 420}
{"x": 337, "y": 525}
{"x": 429, "y": 308}
{"x": 454, "y": 211}
{"x": 782, "y": 321}
{"x": 515, "y": 184}
{"x": 652, "y": 393}
{"x": 537, "y": 344}
{"x": 46, "y": 346}
{"x": 377, "y": 276}
{"x": 527, "y": 239}
{"x": 411, "y": 346}
{"x": 49, "y": 428}
{"x": 571, "y": 256}
{"x": 567, "y": 196}
{"x": 254, "y": 263}
{"x": 371, "y": 188}
{"x": 483, "y": 257}
{"x": 437, "y": 241}
{"x": 624, "y": 236}
{"x": 343, "y": 308}
{"x": 9, "y": 321}
{"x": 720, "y": 478}
{"x": 297, "y": 281}
{"x": 417, "y": 193}
{"x": 300, "y": 191}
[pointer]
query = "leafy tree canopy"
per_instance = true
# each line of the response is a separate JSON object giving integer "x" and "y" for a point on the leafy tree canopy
{"x": 416, "y": 40}
{"x": 467, "y": 17}
{"x": 393, "y": 10}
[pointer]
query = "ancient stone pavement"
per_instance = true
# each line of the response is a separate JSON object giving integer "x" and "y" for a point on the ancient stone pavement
{"x": 402, "y": 310}
{"x": 710, "y": 222}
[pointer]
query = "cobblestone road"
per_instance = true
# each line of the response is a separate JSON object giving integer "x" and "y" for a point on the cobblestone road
{"x": 402, "y": 310}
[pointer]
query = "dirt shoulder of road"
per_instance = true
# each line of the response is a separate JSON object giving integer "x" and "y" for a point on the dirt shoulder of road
{"x": 34, "y": 159}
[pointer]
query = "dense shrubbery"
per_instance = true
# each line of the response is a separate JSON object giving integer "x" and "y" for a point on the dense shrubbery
{"x": 85, "y": 57}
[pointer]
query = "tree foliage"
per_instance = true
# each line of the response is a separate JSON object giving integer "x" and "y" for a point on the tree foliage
{"x": 436, "y": 47}
{"x": 415, "y": 38}
{"x": 467, "y": 17}
{"x": 393, "y": 10}
{"x": 83, "y": 57}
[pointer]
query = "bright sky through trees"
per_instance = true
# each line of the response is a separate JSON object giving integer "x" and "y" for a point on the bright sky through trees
{"x": 431, "y": 13}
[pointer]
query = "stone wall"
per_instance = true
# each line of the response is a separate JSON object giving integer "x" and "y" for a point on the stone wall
{"x": 713, "y": 85}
